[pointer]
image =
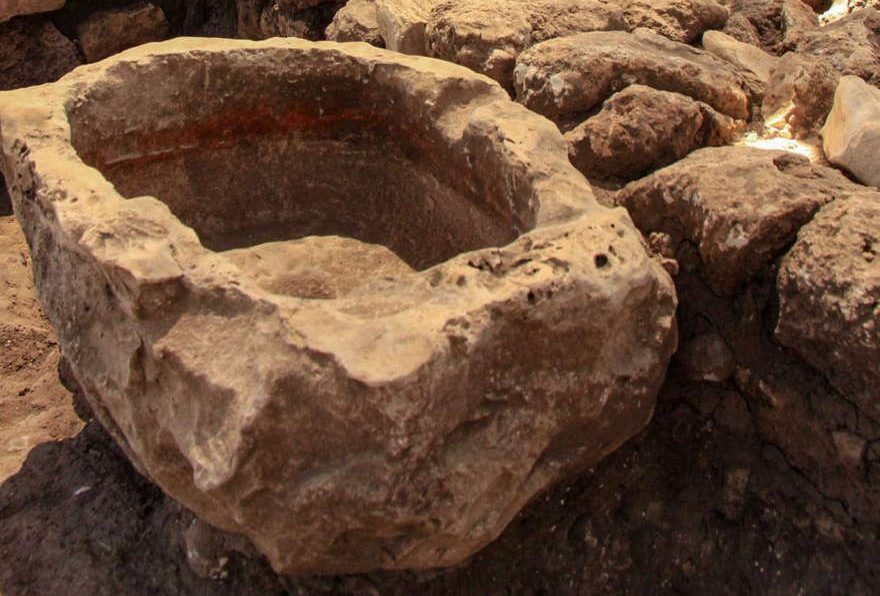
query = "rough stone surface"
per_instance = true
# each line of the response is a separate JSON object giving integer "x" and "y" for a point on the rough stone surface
{"x": 297, "y": 18}
{"x": 571, "y": 75}
{"x": 740, "y": 28}
{"x": 678, "y": 20}
{"x": 641, "y": 129}
{"x": 32, "y": 52}
{"x": 829, "y": 298}
{"x": 488, "y": 36}
{"x": 401, "y": 424}
{"x": 402, "y": 24}
{"x": 14, "y": 8}
{"x": 738, "y": 206}
{"x": 356, "y": 21}
{"x": 851, "y": 135}
{"x": 742, "y": 55}
{"x": 110, "y": 31}
{"x": 850, "y": 45}
{"x": 706, "y": 357}
{"x": 775, "y": 25}
{"x": 799, "y": 94}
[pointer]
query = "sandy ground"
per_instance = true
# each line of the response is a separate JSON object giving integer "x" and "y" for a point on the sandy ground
{"x": 34, "y": 406}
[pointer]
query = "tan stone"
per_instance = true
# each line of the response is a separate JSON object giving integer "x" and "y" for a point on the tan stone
{"x": 487, "y": 36}
{"x": 851, "y": 135}
{"x": 568, "y": 76}
{"x": 739, "y": 206}
{"x": 14, "y": 8}
{"x": 358, "y": 20}
{"x": 402, "y": 413}
{"x": 110, "y": 31}
{"x": 402, "y": 24}
{"x": 678, "y": 20}
{"x": 740, "y": 54}
{"x": 851, "y": 45}
{"x": 641, "y": 129}
{"x": 829, "y": 297}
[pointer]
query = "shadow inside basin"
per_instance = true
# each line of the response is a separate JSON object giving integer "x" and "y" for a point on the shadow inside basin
{"x": 263, "y": 155}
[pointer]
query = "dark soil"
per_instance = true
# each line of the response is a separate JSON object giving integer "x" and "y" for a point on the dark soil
{"x": 696, "y": 504}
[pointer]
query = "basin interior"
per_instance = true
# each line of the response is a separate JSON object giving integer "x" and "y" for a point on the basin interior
{"x": 255, "y": 147}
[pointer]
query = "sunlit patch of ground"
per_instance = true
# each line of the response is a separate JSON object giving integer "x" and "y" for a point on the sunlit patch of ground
{"x": 837, "y": 10}
{"x": 777, "y": 134}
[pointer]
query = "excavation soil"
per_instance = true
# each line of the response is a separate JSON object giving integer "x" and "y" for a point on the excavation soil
{"x": 696, "y": 504}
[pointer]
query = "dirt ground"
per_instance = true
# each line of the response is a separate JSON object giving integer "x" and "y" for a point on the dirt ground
{"x": 34, "y": 407}
{"x": 698, "y": 503}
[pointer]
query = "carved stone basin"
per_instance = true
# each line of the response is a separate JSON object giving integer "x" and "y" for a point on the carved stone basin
{"x": 354, "y": 305}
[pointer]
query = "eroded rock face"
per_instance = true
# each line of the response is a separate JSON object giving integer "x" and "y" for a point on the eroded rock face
{"x": 32, "y": 52}
{"x": 402, "y": 24}
{"x": 568, "y": 76}
{"x": 678, "y": 20}
{"x": 110, "y": 31}
{"x": 774, "y": 25}
{"x": 851, "y": 45}
{"x": 487, "y": 36}
{"x": 829, "y": 294}
{"x": 851, "y": 135}
{"x": 356, "y": 21}
{"x": 14, "y": 8}
{"x": 394, "y": 414}
{"x": 641, "y": 129}
{"x": 738, "y": 206}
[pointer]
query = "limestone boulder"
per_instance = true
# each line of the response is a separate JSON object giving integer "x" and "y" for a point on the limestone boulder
{"x": 641, "y": 129}
{"x": 402, "y": 24}
{"x": 107, "y": 32}
{"x": 15, "y": 8}
{"x": 487, "y": 36}
{"x": 829, "y": 297}
{"x": 851, "y": 45}
{"x": 569, "y": 76}
{"x": 740, "y": 207}
{"x": 461, "y": 324}
{"x": 799, "y": 94}
{"x": 678, "y": 20}
{"x": 32, "y": 52}
{"x": 358, "y": 20}
{"x": 851, "y": 135}
{"x": 743, "y": 55}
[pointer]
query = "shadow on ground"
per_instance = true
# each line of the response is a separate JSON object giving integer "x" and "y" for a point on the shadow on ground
{"x": 696, "y": 504}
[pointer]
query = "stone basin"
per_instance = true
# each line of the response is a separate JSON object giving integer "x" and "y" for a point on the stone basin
{"x": 354, "y": 305}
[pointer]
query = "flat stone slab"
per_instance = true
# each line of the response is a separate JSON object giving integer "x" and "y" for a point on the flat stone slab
{"x": 361, "y": 321}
